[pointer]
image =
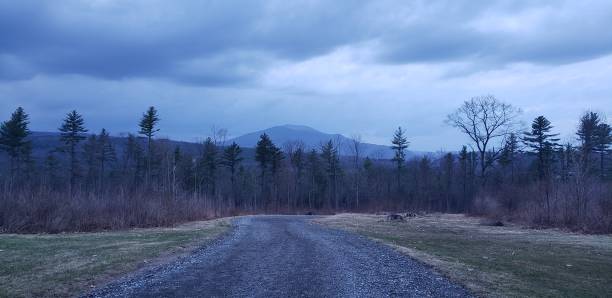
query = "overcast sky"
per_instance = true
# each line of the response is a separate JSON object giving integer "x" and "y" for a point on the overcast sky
{"x": 345, "y": 67}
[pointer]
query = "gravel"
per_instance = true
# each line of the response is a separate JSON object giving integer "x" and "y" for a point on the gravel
{"x": 287, "y": 256}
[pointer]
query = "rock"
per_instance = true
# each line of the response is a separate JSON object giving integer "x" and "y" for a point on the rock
{"x": 498, "y": 224}
{"x": 395, "y": 217}
{"x": 492, "y": 223}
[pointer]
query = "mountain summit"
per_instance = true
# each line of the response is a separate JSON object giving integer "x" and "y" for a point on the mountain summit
{"x": 312, "y": 139}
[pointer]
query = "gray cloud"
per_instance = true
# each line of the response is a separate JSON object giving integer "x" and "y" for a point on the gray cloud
{"x": 146, "y": 39}
{"x": 117, "y": 40}
{"x": 493, "y": 34}
{"x": 342, "y": 66}
{"x": 156, "y": 39}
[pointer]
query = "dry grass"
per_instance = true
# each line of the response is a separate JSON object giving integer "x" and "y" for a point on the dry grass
{"x": 68, "y": 264}
{"x": 507, "y": 261}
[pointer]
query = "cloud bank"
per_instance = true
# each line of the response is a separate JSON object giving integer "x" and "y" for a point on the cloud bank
{"x": 343, "y": 66}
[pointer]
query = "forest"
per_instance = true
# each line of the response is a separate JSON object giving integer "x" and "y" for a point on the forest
{"x": 508, "y": 171}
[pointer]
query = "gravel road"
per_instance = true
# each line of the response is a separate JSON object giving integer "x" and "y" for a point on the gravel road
{"x": 287, "y": 256}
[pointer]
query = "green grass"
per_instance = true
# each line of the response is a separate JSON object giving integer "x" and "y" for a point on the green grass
{"x": 69, "y": 264}
{"x": 497, "y": 261}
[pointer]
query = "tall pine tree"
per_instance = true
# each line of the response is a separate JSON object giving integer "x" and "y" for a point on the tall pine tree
{"x": 106, "y": 154}
{"x": 399, "y": 146}
{"x": 268, "y": 156}
{"x": 542, "y": 143}
{"x": 231, "y": 160}
{"x": 208, "y": 166}
{"x": 329, "y": 155}
{"x": 587, "y": 135}
{"x": 72, "y": 133}
{"x": 13, "y": 139}
{"x": 148, "y": 128}
{"x": 603, "y": 140}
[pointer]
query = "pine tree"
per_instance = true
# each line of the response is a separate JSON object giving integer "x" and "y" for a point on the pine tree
{"x": 467, "y": 166}
{"x": 329, "y": 155}
{"x": 448, "y": 167}
{"x": 231, "y": 160}
{"x": 13, "y": 139}
{"x": 106, "y": 154}
{"x": 543, "y": 143}
{"x": 297, "y": 160}
{"x": 277, "y": 156}
{"x": 400, "y": 144}
{"x": 263, "y": 157}
{"x": 133, "y": 161}
{"x": 208, "y": 165}
{"x": 509, "y": 154}
{"x": 72, "y": 133}
{"x": 269, "y": 158}
{"x": 587, "y": 135}
{"x": 148, "y": 128}
{"x": 603, "y": 140}
{"x": 315, "y": 177}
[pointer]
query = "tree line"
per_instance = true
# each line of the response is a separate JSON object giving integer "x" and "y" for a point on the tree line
{"x": 90, "y": 183}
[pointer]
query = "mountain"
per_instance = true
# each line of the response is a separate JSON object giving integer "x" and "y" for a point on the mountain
{"x": 44, "y": 142}
{"x": 313, "y": 138}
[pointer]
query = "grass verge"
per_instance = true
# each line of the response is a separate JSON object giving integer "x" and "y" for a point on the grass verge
{"x": 507, "y": 261}
{"x": 68, "y": 264}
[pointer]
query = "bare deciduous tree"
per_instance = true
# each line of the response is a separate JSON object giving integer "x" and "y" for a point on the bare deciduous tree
{"x": 487, "y": 122}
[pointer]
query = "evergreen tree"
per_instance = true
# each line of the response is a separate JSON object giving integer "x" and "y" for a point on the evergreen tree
{"x": 329, "y": 155}
{"x": 262, "y": 152}
{"x": 297, "y": 160}
{"x": 277, "y": 157}
{"x": 13, "y": 139}
{"x": 133, "y": 161}
{"x": 106, "y": 154}
{"x": 587, "y": 135}
{"x": 231, "y": 160}
{"x": 72, "y": 133}
{"x": 467, "y": 167}
{"x": 148, "y": 128}
{"x": 263, "y": 157}
{"x": 509, "y": 155}
{"x": 316, "y": 179}
{"x": 543, "y": 143}
{"x": 148, "y": 124}
{"x": 208, "y": 165}
{"x": 448, "y": 167}
{"x": 603, "y": 140}
{"x": 269, "y": 158}
{"x": 399, "y": 146}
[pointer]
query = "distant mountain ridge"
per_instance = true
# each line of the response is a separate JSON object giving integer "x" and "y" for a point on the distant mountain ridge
{"x": 44, "y": 142}
{"x": 313, "y": 139}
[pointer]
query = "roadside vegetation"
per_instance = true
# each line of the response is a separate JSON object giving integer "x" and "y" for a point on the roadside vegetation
{"x": 495, "y": 261}
{"x": 62, "y": 265}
